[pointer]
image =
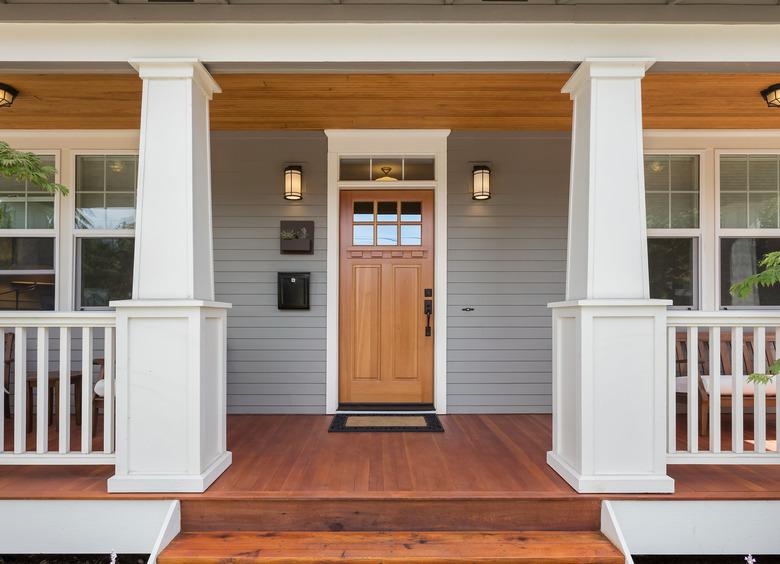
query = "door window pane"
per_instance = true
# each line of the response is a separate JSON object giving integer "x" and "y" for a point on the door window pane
{"x": 672, "y": 267}
{"x": 363, "y": 211}
{"x": 105, "y": 191}
{"x": 362, "y": 235}
{"x": 106, "y": 270}
{"x": 411, "y": 235}
{"x": 387, "y": 211}
{"x": 750, "y": 191}
{"x": 739, "y": 258}
{"x": 672, "y": 191}
{"x": 411, "y": 211}
{"x": 387, "y": 234}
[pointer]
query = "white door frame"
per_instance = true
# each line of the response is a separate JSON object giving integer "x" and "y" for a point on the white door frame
{"x": 388, "y": 142}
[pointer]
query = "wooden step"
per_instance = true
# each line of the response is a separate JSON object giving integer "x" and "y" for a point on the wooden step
{"x": 580, "y": 513}
{"x": 544, "y": 547}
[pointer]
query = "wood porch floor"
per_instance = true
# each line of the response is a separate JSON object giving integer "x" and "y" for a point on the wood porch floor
{"x": 479, "y": 456}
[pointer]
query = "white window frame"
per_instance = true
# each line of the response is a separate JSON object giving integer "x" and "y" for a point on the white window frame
{"x": 686, "y": 232}
{"x": 65, "y": 145}
{"x": 43, "y": 233}
{"x": 730, "y": 232}
{"x": 710, "y": 144}
{"x": 80, "y": 233}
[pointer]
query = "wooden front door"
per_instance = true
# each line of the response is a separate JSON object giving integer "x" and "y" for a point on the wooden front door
{"x": 386, "y": 297}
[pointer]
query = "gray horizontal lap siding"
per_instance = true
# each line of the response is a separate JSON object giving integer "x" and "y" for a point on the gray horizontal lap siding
{"x": 506, "y": 260}
{"x": 276, "y": 359}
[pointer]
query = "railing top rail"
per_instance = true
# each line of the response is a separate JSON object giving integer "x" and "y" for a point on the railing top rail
{"x": 11, "y": 319}
{"x": 730, "y": 318}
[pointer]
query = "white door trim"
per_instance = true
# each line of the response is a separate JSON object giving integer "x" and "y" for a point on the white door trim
{"x": 388, "y": 142}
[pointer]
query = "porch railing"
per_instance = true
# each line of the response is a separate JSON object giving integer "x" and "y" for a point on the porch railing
{"x": 715, "y": 416}
{"x": 52, "y": 363}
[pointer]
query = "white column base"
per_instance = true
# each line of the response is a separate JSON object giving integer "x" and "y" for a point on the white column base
{"x": 181, "y": 483}
{"x": 171, "y": 395}
{"x": 609, "y": 396}
{"x": 617, "y": 483}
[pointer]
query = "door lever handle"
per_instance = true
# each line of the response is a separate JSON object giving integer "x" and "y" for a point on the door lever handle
{"x": 428, "y": 311}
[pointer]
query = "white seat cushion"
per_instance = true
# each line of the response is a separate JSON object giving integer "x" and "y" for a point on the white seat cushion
{"x": 748, "y": 389}
{"x": 100, "y": 388}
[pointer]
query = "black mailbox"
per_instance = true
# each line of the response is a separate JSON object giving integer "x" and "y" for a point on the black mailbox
{"x": 293, "y": 290}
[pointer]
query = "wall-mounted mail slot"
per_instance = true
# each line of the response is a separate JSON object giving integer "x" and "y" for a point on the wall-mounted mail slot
{"x": 293, "y": 290}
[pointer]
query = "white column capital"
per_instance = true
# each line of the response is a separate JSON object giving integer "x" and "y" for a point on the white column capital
{"x": 605, "y": 68}
{"x": 177, "y": 68}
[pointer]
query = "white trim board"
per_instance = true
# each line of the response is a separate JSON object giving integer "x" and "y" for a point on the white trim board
{"x": 88, "y": 526}
{"x": 387, "y": 42}
{"x": 388, "y": 142}
{"x": 693, "y": 527}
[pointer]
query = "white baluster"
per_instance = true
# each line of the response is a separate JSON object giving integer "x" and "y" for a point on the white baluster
{"x": 759, "y": 402}
{"x": 42, "y": 391}
{"x": 86, "y": 390}
{"x": 738, "y": 379}
{"x": 64, "y": 408}
{"x": 108, "y": 394}
{"x": 671, "y": 383}
{"x": 715, "y": 389}
{"x": 20, "y": 390}
{"x": 693, "y": 389}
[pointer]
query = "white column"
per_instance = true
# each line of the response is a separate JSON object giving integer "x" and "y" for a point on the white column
{"x": 609, "y": 423}
{"x": 171, "y": 337}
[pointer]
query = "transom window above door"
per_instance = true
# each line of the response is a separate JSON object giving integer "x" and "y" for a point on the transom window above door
{"x": 386, "y": 169}
{"x": 387, "y": 223}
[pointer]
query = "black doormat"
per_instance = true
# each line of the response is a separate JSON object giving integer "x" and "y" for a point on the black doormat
{"x": 392, "y": 423}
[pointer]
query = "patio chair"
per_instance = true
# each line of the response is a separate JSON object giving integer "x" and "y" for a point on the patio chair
{"x": 704, "y": 380}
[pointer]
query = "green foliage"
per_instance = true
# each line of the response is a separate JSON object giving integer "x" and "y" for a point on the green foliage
{"x": 769, "y": 276}
{"x": 23, "y": 166}
{"x": 772, "y": 371}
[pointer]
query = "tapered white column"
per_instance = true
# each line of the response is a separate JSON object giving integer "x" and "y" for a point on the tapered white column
{"x": 609, "y": 422}
{"x": 171, "y": 337}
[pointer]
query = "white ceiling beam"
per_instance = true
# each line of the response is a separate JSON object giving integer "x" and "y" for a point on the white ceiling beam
{"x": 387, "y": 43}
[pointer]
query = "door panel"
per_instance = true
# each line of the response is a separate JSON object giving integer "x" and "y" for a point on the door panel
{"x": 386, "y": 265}
{"x": 405, "y": 321}
{"x": 366, "y": 297}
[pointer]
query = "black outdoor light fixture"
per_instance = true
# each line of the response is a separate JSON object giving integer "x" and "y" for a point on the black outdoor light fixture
{"x": 293, "y": 180}
{"x": 7, "y": 95}
{"x": 481, "y": 183}
{"x": 772, "y": 95}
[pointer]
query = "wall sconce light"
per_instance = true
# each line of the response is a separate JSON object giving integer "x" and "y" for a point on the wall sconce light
{"x": 481, "y": 186}
{"x": 293, "y": 180}
{"x": 7, "y": 95}
{"x": 772, "y": 96}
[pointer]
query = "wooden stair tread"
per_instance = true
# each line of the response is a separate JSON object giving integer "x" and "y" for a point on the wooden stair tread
{"x": 549, "y": 547}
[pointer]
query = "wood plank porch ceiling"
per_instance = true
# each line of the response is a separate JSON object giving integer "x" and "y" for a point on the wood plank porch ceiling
{"x": 496, "y": 101}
